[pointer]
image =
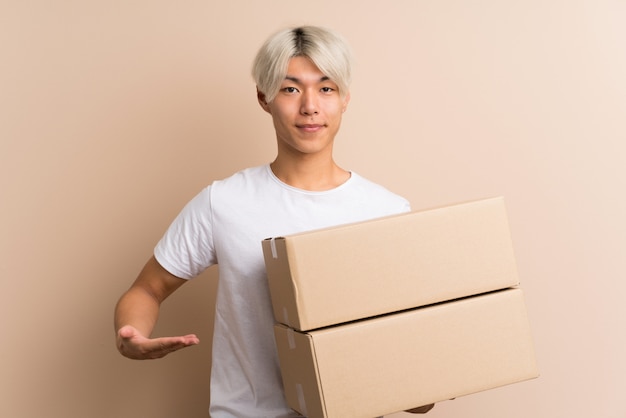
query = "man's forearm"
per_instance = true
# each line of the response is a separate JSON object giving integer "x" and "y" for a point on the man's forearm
{"x": 137, "y": 308}
{"x": 137, "y": 311}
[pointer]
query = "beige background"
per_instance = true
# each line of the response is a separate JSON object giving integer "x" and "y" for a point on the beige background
{"x": 114, "y": 114}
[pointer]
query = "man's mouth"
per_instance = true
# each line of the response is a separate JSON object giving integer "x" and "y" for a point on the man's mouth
{"x": 310, "y": 127}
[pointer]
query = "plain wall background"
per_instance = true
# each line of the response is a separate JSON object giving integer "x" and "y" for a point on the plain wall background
{"x": 114, "y": 114}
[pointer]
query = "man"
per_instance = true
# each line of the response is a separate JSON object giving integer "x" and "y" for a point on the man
{"x": 302, "y": 78}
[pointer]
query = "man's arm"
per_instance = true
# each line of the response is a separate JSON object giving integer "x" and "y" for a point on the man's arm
{"x": 137, "y": 311}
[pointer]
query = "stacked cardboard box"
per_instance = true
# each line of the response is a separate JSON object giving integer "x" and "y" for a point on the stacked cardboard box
{"x": 398, "y": 312}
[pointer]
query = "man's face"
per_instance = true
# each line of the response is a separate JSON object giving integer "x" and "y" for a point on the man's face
{"x": 307, "y": 110}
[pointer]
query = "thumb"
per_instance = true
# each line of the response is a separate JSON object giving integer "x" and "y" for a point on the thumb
{"x": 127, "y": 331}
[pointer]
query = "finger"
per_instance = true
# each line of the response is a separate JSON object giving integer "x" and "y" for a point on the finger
{"x": 177, "y": 342}
{"x": 160, "y": 347}
{"x": 191, "y": 339}
{"x": 127, "y": 331}
{"x": 134, "y": 345}
{"x": 129, "y": 342}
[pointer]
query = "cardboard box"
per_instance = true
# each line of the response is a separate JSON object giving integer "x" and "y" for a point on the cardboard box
{"x": 400, "y": 361}
{"x": 361, "y": 270}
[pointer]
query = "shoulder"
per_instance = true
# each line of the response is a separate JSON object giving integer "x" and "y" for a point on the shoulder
{"x": 201, "y": 205}
{"x": 245, "y": 190}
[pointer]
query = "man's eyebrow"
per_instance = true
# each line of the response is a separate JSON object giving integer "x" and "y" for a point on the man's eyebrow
{"x": 297, "y": 80}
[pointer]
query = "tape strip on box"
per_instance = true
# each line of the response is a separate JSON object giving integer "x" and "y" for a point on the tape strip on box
{"x": 301, "y": 401}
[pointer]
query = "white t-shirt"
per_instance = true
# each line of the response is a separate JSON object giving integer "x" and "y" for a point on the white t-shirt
{"x": 225, "y": 223}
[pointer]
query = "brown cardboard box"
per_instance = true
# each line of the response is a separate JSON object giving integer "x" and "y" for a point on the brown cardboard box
{"x": 355, "y": 271}
{"x": 399, "y": 361}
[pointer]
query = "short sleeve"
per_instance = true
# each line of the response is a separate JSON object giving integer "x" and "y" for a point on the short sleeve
{"x": 187, "y": 249}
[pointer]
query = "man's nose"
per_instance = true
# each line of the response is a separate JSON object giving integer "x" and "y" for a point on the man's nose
{"x": 309, "y": 104}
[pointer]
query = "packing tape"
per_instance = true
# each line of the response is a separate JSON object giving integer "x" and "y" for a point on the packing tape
{"x": 291, "y": 339}
{"x": 301, "y": 401}
{"x": 285, "y": 316}
{"x": 273, "y": 247}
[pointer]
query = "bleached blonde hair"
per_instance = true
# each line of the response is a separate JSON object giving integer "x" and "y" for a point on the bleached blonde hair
{"x": 326, "y": 49}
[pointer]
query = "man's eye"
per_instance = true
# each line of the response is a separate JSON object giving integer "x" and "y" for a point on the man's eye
{"x": 290, "y": 89}
{"x": 327, "y": 89}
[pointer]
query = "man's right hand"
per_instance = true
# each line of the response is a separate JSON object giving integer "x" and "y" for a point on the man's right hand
{"x": 133, "y": 345}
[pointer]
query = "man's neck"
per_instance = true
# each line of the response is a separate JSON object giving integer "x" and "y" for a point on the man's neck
{"x": 309, "y": 174}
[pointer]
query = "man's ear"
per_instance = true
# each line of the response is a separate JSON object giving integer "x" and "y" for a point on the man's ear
{"x": 346, "y": 100}
{"x": 263, "y": 101}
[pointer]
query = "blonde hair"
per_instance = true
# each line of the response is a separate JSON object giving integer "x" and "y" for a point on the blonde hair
{"x": 325, "y": 48}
